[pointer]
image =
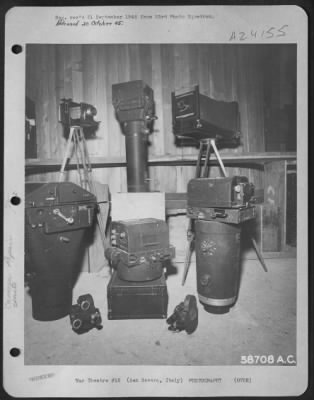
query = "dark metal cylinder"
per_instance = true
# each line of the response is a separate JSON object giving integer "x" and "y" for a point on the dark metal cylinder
{"x": 217, "y": 248}
{"x": 53, "y": 264}
{"x": 57, "y": 215}
{"x": 136, "y": 156}
{"x": 51, "y": 299}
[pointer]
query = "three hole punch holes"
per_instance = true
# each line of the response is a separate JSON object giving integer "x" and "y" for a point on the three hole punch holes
{"x": 15, "y": 200}
{"x": 16, "y": 49}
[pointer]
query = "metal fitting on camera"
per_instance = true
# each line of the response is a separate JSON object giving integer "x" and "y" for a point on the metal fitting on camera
{"x": 113, "y": 256}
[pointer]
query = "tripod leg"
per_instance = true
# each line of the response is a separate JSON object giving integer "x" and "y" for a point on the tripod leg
{"x": 188, "y": 253}
{"x": 259, "y": 255}
{"x": 89, "y": 179}
{"x": 87, "y": 163}
{"x": 82, "y": 157}
{"x": 189, "y": 232}
{"x": 199, "y": 161}
{"x": 190, "y": 227}
{"x": 207, "y": 156}
{"x": 78, "y": 161}
{"x": 218, "y": 157}
{"x": 67, "y": 154}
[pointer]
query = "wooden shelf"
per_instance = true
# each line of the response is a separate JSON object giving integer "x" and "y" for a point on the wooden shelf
{"x": 37, "y": 166}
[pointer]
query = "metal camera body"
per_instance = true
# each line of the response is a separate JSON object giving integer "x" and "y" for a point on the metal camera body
{"x": 196, "y": 116}
{"x": 77, "y": 114}
{"x": 136, "y": 235}
{"x": 184, "y": 316}
{"x": 84, "y": 316}
{"x": 139, "y": 249}
{"x": 228, "y": 199}
{"x": 235, "y": 191}
{"x": 218, "y": 207}
{"x": 133, "y": 102}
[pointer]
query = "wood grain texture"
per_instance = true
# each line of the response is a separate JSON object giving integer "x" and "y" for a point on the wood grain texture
{"x": 96, "y": 249}
{"x": 275, "y": 193}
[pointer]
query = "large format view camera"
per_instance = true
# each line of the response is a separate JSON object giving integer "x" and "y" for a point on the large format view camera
{"x": 196, "y": 116}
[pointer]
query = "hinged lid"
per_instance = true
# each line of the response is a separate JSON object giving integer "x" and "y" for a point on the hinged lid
{"x": 56, "y": 193}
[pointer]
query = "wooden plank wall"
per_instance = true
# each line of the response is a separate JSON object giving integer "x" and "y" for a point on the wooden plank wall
{"x": 280, "y": 74}
{"x": 86, "y": 73}
{"x": 279, "y": 133}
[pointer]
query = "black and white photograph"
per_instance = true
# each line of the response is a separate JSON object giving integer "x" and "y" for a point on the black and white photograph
{"x": 156, "y": 236}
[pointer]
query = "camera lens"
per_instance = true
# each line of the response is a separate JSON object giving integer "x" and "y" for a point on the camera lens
{"x": 76, "y": 324}
{"x": 90, "y": 110}
{"x": 85, "y": 305}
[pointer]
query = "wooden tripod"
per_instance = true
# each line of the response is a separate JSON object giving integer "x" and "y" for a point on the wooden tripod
{"x": 76, "y": 144}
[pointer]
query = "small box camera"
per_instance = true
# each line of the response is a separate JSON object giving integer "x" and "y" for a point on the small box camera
{"x": 84, "y": 315}
{"x": 77, "y": 114}
{"x": 229, "y": 192}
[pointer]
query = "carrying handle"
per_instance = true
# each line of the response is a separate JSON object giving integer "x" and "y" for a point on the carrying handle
{"x": 68, "y": 220}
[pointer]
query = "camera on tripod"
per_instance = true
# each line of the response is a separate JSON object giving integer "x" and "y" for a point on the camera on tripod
{"x": 77, "y": 114}
{"x": 196, "y": 116}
